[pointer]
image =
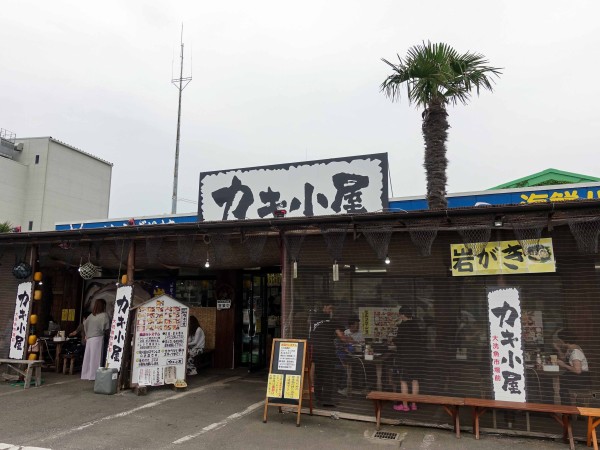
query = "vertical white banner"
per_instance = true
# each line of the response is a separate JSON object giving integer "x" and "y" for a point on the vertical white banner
{"x": 508, "y": 374}
{"x": 118, "y": 328}
{"x": 18, "y": 339}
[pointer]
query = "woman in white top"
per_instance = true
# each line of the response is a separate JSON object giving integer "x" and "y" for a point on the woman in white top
{"x": 94, "y": 327}
{"x": 573, "y": 361}
{"x": 196, "y": 342}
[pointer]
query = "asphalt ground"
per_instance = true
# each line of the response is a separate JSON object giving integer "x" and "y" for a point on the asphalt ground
{"x": 218, "y": 410}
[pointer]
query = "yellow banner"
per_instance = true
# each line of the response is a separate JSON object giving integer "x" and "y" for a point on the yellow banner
{"x": 503, "y": 257}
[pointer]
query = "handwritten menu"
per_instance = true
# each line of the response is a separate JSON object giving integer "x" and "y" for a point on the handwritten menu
{"x": 161, "y": 342}
{"x": 378, "y": 322}
{"x": 275, "y": 385}
{"x": 288, "y": 356}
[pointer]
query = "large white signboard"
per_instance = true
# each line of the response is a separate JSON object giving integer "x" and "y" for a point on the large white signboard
{"x": 508, "y": 374}
{"x": 18, "y": 339}
{"x": 161, "y": 331}
{"x": 118, "y": 328}
{"x": 334, "y": 186}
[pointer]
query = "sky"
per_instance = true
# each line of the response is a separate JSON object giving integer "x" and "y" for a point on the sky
{"x": 287, "y": 81}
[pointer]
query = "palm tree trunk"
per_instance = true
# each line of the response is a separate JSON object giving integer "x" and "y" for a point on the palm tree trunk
{"x": 435, "y": 133}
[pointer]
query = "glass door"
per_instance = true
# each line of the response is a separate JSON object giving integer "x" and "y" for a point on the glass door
{"x": 254, "y": 321}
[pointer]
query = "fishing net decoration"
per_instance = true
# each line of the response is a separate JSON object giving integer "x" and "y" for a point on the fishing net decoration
{"x": 221, "y": 247}
{"x": 585, "y": 231}
{"x": 475, "y": 231}
{"x": 292, "y": 240}
{"x": 185, "y": 247}
{"x": 335, "y": 237}
{"x": 378, "y": 237}
{"x": 422, "y": 234}
{"x": 528, "y": 235}
{"x": 254, "y": 244}
{"x": 475, "y": 238}
{"x": 153, "y": 246}
{"x": 121, "y": 250}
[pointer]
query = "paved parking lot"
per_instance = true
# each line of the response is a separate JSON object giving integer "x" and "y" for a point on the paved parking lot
{"x": 219, "y": 409}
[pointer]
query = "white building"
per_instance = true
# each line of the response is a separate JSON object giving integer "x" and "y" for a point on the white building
{"x": 44, "y": 181}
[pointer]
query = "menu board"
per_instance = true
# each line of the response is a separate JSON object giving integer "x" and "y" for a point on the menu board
{"x": 286, "y": 374}
{"x": 378, "y": 323}
{"x": 159, "y": 354}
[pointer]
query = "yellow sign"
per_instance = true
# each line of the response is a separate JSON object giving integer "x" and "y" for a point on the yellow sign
{"x": 275, "y": 385}
{"x": 71, "y": 315}
{"x": 64, "y": 315}
{"x": 503, "y": 257}
{"x": 292, "y": 386}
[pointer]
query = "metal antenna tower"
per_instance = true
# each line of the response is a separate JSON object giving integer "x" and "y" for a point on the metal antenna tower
{"x": 180, "y": 83}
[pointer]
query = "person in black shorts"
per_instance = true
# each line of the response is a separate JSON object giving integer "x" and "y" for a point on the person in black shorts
{"x": 325, "y": 330}
{"x": 410, "y": 341}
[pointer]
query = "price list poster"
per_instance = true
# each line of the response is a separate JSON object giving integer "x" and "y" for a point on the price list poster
{"x": 159, "y": 354}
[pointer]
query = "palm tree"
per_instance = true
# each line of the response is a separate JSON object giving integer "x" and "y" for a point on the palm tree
{"x": 436, "y": 75}
{"x": 5, "y": 227}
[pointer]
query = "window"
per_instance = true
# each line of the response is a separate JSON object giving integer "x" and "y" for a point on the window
{"x": 30, "y": 225}
{"x": 37, "y": 159}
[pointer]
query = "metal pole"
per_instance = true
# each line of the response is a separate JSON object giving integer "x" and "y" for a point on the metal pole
{"x": 180, "y": 88}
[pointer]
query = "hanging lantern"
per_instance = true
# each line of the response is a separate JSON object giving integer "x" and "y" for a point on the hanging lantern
{"x": 37, "y": 276}
{"x": 336, "y": 271}
{"x": 32, "y": 339}
{"x": 37, "y": 294}
{"x": 32, "y": 356}
{"x": 295, "y": 269}
{"x": 33, "y": 319}
{"x": 124, "y": 279}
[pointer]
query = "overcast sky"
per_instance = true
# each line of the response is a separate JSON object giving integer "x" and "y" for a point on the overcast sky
{"x": 282, "y": 81}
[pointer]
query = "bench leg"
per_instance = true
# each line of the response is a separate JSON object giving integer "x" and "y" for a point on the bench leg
{"x": 568, "y": 430}
{"x": 377, "y": 404}
{"x": 64, "y": 370}
{"x": 38, "y": 376}
{"x": 453, "y": 411}
{"x": 593, "y": 423}
{"x": 27, "y": 376}
{"x": 476, "y": 421}
{"x": 72, "y": 366}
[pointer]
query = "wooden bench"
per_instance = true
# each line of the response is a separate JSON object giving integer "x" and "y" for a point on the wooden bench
{"x": 562, "y": 413}
{"x": 450, "y": 404}
{"x": 32, "y": 366}
{"x": 593, "y": 415}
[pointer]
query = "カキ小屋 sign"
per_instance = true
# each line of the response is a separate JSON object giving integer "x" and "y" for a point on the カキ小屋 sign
{"x": 18, "y": 339}
{"x": 118, "y": 328}
{"x": 508, "y": 367}
{"x": 355, "y": 184}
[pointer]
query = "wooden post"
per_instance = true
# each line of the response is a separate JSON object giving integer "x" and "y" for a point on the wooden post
{"x": 131, "y": 263}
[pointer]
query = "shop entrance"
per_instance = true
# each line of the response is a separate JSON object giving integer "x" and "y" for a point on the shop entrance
{"x": 261, "y": 316}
